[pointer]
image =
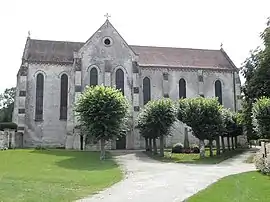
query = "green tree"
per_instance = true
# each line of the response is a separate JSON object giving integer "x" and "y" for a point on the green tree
{"x": 7, "y": 104}
{"x": 204, "y": 116}
{"x": 103, "y": 113}
{"x": 261, "y": 117}
{"x": 256, "y": 71}
{"x": 156, "y": 119}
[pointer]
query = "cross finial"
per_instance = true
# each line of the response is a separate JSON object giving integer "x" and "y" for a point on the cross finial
{"x": 107, "y": 16}
{"x": 29, "y": 34}
{"x": 221, "y": 45}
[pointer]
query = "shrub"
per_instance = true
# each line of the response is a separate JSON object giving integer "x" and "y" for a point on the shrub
{"x": 262, "y": 164}
{"x": 261, "y": 117}
{"x": 8, "y": 125}
{"x": 195, "y": 149}
{"x": 178, "y": 148}
{"x": 40, "y": 147}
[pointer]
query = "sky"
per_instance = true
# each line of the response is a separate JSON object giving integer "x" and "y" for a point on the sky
{"x": 175, "y": 23}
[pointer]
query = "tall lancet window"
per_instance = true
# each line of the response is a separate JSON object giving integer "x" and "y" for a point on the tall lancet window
{"x": 182, "y": 88}
{"x": 119, "y": 80}
{"x": 218, "y": 91}
{"x": 93, "y": 77}
{"x": 146, "y": 90}
{"x": 39, "y": 97}
{"x": 63, "y": 97}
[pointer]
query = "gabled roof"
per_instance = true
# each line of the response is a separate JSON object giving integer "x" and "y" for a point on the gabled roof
{"x": 149, "y": 56}
{"x": 182, "y": 57}
{"x": 51, "y": 51}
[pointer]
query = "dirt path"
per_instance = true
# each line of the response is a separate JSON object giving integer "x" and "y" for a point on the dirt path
{"x": 148, "y": 180}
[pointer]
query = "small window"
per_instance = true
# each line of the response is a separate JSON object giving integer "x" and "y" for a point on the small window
{"x": 64, "y": 97}
{"x": 218, "y": 91}
{"x": 107, "y": 41}
{"x": 39, "y": 97}
{"x": 146, "y": 90}
{"x": 200, "y": 78}
{"x": 119, "y": 80}
{"x": 182, "y": 88}
{"x": 93, "y": 77}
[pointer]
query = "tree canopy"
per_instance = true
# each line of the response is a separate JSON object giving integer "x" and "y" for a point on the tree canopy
{"x": 156, "y": 119}
{"x": 256, "y": 71}
{"x": 7, "y": 104}
{"x": 102, "y": 113}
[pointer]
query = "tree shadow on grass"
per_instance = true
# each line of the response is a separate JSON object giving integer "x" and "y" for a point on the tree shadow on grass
{"x": 79, "y": 160}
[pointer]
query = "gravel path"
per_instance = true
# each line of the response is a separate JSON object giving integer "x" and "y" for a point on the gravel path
{"x": 148, "y": 180}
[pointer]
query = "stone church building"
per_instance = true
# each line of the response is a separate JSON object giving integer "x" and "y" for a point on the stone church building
{"x": 53, "y": 74}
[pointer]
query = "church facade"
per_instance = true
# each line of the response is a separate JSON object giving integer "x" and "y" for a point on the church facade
{"x": 53, "y": 74}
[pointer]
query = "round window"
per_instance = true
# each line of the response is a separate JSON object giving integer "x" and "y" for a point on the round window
{"x": 107, "y": 41}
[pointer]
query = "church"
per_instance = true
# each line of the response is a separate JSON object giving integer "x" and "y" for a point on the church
{"x": 53, "y": 74}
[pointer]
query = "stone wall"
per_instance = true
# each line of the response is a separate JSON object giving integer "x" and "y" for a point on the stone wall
{"x": 7, "y": 139}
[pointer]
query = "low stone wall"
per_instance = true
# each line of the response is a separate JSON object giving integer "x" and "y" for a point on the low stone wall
{"x": 7, "y": 139}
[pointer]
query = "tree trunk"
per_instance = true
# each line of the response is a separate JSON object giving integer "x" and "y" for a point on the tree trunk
{"x": 223, "y": 144}
{"x": 150, "y": 145}
{"x": 146, "y": 144}
{"x": 202, "y": 149}
{"x": 161, "y": 139}
{"x": 102, "y": 149}
{"x": 81, "y": 142}
{"x": 228, "y": 143}
{"x": 232, "y": 143}
{"x": 218, "y": 145}
{"x": 155, "y": 145}
{"x": 186, "y": 141}
{"x": 211, "y": 147}
{"x": 235, "y": 142}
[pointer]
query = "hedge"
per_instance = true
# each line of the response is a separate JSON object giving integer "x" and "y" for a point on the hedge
{"x": 8, "y": 125}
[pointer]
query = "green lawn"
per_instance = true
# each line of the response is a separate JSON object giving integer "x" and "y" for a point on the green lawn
{"x": 244, "y": 187}
{"x": 53, "y": 175}
{"x": 195, "y": 158}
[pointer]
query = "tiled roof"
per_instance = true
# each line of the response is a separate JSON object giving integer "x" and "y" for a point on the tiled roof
{"x": 62, "y": 52}
{"x": 182, "y": 57}
{"x": 51, "y": 51}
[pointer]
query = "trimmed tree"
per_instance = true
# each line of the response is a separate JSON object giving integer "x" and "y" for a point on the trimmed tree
{"x": 228, "y": 127}
{"x": 102, "y": 112}
{"x": 156, "y": 119}
{"x": 261, "y": 117}
{"x": 203, "y": 115}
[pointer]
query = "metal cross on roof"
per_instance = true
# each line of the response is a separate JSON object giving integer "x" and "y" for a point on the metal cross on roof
{"x": 221, "y": 45}
{"x": 107, "y": 16}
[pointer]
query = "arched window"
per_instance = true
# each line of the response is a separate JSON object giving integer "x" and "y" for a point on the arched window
{"x": 218, "y": 91}
{"x": 63, "y": 97}
{"x": 39, "y": 97}
{"x": 93, "y": 77}
{"x": 182, "y": 88}
{"x": 119, "y": 80}
{"x": 146, "y": 90}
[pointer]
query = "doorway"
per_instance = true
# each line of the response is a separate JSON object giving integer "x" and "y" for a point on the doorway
{"x": 121, "y": 142}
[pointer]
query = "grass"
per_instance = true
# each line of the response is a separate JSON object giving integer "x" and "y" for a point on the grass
{"x": 53, "y": 175}
{"x": 244, "y": 187}
{"x": 195, "y": 158}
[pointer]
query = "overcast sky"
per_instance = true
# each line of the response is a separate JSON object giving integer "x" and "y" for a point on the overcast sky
{"x": 178, "y": 23}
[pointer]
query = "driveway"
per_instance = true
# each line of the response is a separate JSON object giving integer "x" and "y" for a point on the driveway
{"x": 149, "y": 180}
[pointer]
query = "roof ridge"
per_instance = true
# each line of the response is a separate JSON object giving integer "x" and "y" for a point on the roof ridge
{"x": 175, "y": 47}
{"x": 46, "y": 40}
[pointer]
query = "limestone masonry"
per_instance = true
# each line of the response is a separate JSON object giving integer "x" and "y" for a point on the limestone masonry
{"x": 54, "y": 73}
